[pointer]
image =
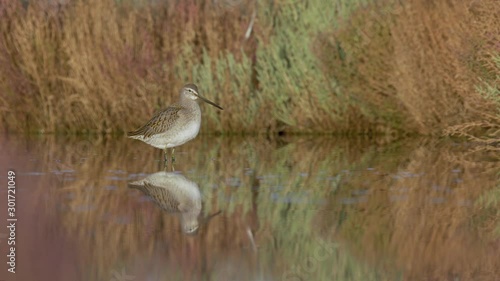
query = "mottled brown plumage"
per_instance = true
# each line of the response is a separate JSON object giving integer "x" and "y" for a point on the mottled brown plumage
{"x": 161, "y": 122}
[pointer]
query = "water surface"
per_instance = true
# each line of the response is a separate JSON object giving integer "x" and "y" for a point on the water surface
{"x": 283, "y": 209}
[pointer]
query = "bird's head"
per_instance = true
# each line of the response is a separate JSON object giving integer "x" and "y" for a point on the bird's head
{"x": 190, "y": 91}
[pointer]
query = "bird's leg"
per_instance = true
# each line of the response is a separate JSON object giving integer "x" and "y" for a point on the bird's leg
{"x": 165, "y": 155}
{"x": 173, "y": 156}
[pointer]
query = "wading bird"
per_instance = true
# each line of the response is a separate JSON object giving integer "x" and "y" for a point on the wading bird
{"x": 175, "y": 125}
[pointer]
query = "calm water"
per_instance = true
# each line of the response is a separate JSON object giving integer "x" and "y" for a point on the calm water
{"x": 104, "y": 208}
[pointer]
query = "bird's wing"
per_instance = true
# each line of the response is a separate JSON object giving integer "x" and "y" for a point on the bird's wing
{"x": 160, "y": 123}
{"x": 164, "y": 197}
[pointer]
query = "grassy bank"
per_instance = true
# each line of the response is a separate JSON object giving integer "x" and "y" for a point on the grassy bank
{"x": 349, "y": 67}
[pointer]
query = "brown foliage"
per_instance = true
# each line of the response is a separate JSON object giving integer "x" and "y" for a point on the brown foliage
{"x": 106, "y": 66}
{"x": 99, "y": 65}
{"x": 411, "y": 62}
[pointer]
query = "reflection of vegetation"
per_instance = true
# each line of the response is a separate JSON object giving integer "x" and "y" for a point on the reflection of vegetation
{"x": 418, "y": 218}
{"x": 312, "y": 209}
{"x": 488, "y": 219}
{"x": 308, "y": 66}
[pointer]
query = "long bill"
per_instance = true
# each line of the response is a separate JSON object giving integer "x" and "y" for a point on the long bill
{"x": 209, "y": 102}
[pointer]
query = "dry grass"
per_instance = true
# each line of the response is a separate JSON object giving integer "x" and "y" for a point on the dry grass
{"x": 382, "y": 67}
{"x": 102, "y": 66}
{"x": 409, "y": 66}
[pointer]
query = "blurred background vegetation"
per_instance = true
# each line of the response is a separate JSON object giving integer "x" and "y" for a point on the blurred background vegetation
{"x": 348, "y": 67}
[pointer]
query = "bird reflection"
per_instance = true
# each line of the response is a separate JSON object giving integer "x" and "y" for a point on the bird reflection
{"x": 173, "y": 193}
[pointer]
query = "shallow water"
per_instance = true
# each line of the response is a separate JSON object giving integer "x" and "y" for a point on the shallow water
{"x": 283, "y": 209}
